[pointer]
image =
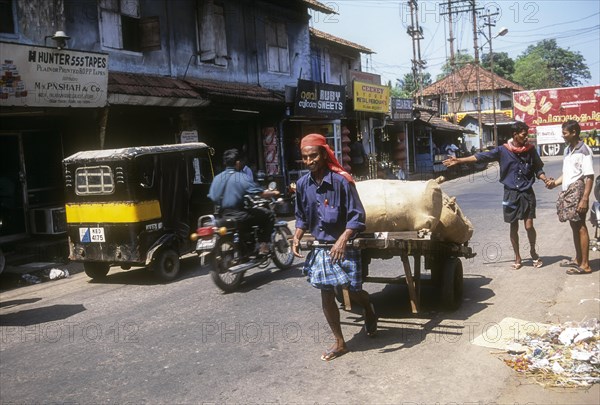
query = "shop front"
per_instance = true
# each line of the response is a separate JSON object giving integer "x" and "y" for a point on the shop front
{"x": 317, "y": 108}
{"x": 368, "y": 123}
{"x": 49, "y": 102}
{"x": 433, "y": 141}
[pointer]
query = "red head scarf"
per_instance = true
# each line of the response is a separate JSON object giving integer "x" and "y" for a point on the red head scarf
{"x": 332, "y": 162}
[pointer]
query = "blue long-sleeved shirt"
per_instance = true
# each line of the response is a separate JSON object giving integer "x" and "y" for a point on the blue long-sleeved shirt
{"x": 232, "y": 185}
{"x": 328, "y": 209}
{"x": 517, "y": 171}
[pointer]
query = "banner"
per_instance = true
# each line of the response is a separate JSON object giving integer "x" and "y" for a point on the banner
{"x": 371, "y": 97}
{"x": 314, "y": 99}
{"x": 555, "y": 106}
{"x": 49, "y": 77}
{"x": 271, "y": 150}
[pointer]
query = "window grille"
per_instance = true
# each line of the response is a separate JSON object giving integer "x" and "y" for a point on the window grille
{"x": 95, "y": 180}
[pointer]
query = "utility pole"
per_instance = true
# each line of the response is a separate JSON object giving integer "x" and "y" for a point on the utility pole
{"x": 478, "y": 69}
{"x": 416, "y": 33}
{"x": 452, "y": 64}
{"x": 490, "y": 22}
{"x": 457, "y": 7}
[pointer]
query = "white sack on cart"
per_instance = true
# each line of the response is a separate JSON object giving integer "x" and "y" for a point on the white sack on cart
{"x": 397, "y": 205}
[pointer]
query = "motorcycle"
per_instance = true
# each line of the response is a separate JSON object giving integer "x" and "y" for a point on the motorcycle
{"x": 595, "y": 217}
{"x": 231, "y": 251}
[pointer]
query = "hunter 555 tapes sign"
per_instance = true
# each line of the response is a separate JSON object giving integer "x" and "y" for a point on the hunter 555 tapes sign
{"x": 50, "y": 77}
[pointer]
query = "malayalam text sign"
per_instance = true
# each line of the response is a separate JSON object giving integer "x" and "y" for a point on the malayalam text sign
{"x": 314, "y": 99}
{"x": 555, "y": 106}
{"x": 371, "y": 97}
{"x": 49, "y": 77}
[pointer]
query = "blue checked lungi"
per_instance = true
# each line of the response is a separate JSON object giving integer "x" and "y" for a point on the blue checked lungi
{"x": 324, "y": 275}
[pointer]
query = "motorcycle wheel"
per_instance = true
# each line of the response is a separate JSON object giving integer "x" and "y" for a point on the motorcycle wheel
{"x": 221, "y": 260}
{"x": 281, "y": 248}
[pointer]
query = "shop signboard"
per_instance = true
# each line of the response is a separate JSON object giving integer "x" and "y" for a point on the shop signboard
{"x": 402, "y": 109}
{"x": 371, "y": 97}
{"x": 554, "y": 106}
{"x": 549, "y": 134}
{"x": 37, "y": 76}
{"x": 319, "y": 100}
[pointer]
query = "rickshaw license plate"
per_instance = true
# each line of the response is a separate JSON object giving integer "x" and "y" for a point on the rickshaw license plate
{"x": 92, "y": 235}
{"x": 205, "y": 244}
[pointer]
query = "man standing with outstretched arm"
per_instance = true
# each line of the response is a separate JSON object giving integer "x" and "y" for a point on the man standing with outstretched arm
{"x": 520, "y": 165}
{"x": 328, "y": 206}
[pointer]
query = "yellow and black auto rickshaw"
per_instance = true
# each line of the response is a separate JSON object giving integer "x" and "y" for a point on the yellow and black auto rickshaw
{"x": 136, "y": 206}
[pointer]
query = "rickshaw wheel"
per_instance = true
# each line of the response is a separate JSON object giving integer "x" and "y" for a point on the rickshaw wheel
{"x": 452, "y": 283}
{"x": 166, "y": 264}
{"x": 96, "y": 270}
{"x": 281, "y": 248}
{"x": 222, "y": 259}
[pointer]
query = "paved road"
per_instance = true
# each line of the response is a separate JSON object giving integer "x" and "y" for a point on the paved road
{"x": 132, "y": 340}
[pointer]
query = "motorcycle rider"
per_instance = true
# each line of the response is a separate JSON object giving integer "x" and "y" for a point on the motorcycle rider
{"x": 227, "y": 193}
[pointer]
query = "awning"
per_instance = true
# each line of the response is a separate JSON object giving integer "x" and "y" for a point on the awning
{"x": 150, "y": 90}
{"x": 214, "y": 90}
{"x": 487, "y": 119}
{"x": 440, "y": 124}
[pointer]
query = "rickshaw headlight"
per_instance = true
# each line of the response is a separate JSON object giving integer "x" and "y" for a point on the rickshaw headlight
{"x": 222, "y": 231}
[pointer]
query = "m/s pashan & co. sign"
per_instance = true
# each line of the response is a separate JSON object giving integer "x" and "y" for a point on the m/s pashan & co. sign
{"x": 49, "y": 77}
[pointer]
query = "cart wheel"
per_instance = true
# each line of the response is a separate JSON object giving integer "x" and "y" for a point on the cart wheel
{"x": 96, "y": 270}
{"x": 437, "y": 271}
{"x": 165, "y": 264}
{"x": 452, "y": 283}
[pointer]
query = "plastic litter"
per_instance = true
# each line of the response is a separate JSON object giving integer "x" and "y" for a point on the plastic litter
{"x": 31, "y": 279}
{"x": 566, "y": 355}
{"x": 55, "y": 274}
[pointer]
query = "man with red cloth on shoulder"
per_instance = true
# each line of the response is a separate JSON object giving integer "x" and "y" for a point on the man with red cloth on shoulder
{"x": 328, "y": 206}
{"x": 520, "y": 165}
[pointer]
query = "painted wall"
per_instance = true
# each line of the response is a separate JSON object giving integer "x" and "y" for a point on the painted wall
{"x": 246, "y": 43}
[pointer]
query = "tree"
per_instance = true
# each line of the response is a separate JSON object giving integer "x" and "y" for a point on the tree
{"x": 504, "y": 66}
{"x": 407, "y": 88}
{"x": 546, "y": 65}
{"x": 460, "y": 60}
{"x": 532, "y": 72}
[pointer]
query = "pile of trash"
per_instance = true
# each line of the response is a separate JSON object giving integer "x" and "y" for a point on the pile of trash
{"x": 43, "y": 275}
{"x": 566, "y": 355}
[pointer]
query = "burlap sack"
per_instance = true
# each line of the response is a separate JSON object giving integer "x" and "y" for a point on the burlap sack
{"x": 397, "y": 205}
{"x": 454, "y": 226}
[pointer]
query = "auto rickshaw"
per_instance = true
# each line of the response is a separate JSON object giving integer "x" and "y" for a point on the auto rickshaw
{"x": 136, "y": 206}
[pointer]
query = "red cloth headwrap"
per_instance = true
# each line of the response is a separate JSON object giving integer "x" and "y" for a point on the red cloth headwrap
{"x": 332, "y": 162}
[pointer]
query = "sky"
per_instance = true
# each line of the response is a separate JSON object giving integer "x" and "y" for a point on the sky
{"x": 381, "y": 25}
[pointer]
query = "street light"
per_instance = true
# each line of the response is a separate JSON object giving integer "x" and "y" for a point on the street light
{"x": 59, "y": 37}
{"x": 503, "y": 31}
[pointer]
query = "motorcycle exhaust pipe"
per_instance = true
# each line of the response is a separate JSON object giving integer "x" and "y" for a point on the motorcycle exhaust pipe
{"x": 245, "y": 266}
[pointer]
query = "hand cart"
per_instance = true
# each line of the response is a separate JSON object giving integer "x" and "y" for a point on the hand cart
{"x": 442, "y": 258}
